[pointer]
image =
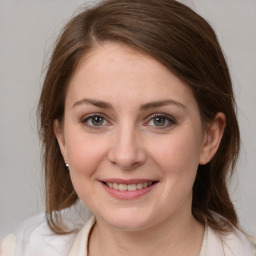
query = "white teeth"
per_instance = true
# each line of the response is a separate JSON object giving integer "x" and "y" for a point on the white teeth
{"x": 145, "y": 184}
{"x": 129, "y": 187}
{"x": 132, "y": 187}
{"x": 123, "y": 187}
{"x": 139, "y": 186}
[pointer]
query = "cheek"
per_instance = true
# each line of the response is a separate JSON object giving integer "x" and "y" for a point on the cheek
{"x": 177, "y": 151}
{"x": 178, "y": 161}
{"x": 85, "y": 154}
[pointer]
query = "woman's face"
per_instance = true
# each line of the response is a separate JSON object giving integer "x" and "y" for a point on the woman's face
{"x": 133, "y": 138}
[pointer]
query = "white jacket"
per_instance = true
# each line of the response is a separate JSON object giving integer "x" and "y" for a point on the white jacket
{"x": 35, "y": 238}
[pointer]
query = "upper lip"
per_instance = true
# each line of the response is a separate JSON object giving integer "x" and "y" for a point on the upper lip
{"x": 126, "y": 181}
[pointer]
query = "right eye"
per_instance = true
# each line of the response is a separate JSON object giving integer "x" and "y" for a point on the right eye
{"x": 95, "y": 121}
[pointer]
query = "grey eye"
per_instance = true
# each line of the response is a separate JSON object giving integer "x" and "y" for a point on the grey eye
{"x": 97, "y": 120}
{"x": 159, "y": 121}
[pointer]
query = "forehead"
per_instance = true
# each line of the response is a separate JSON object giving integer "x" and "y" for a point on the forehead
{"x": 110, "y": 70}
{"x": 112, "y": 58}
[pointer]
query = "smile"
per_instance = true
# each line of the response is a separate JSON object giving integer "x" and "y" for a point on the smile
{"x": 128, "y": 187}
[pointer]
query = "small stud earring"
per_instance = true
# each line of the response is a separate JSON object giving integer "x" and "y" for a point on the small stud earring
{"x": 67, "y": 167}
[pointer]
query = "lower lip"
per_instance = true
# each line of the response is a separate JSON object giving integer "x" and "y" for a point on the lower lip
{"x": 128, "y": 195}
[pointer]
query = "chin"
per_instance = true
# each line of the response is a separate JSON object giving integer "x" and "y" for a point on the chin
{"x": 128, "y": 220}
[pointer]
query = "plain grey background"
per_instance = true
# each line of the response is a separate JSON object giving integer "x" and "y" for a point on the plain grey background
{"x": 27, "y": 31}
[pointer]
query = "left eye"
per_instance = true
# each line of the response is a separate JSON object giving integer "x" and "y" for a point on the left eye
{"x": 95, "y": 121}
{"x": 161, "y": 121}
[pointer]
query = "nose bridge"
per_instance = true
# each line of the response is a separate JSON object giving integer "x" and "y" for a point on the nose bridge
{"x": 126, "y": 150}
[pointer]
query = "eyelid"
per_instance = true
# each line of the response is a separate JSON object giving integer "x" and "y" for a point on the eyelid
{"x": 84, "y": 118}
{"x": 169, "y": 118}
{"x": 87, "y": 117}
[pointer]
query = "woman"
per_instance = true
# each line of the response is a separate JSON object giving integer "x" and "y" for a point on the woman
{"x": 138, "y": 122}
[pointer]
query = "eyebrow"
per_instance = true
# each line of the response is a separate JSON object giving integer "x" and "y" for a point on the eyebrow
{"x": 162, "y": 103}
{"x": 97, "y": 103}
{"x": 143, "y": 107}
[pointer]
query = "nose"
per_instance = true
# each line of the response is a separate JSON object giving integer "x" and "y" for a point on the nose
{"x": 127, "y": 149}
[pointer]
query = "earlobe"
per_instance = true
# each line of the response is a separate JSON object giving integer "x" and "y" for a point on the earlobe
{"x": 212, "y": 138}
{"x": 58, "y": 131}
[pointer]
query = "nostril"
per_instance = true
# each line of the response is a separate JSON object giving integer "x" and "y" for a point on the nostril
{"x": 126, "y": 162}
{"x": 127, "y": 157}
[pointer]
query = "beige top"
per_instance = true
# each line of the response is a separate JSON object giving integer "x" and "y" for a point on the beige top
{"x": 232, "y": 244}
{"x": 39, "y": 240}
{"x": 79, "y": 248}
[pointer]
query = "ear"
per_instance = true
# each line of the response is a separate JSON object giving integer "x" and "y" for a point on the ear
{"x": 59, "y": 133}
{"x": 212, "y": 138}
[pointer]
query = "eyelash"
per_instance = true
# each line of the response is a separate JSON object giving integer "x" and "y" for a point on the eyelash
{"x": 89, "y": 117}
{"x": 170, "y": 120}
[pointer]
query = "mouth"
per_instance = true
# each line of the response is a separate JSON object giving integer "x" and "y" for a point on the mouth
{"x": 129, "y": 187}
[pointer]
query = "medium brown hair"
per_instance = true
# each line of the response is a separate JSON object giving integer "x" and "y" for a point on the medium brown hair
{"x": 183, "y": 42}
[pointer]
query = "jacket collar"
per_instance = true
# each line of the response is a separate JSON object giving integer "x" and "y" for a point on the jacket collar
{"x": 230, "y": 244}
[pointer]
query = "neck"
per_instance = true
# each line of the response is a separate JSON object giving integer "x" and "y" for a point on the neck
{"x": 179, "y": 236}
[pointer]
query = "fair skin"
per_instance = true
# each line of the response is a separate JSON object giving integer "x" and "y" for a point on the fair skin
{"x": 128, "y": 120}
